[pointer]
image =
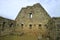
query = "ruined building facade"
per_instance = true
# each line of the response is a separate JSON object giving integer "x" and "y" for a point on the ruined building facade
{"x": 33, "y": 22}
{"x": 6, "y": 26}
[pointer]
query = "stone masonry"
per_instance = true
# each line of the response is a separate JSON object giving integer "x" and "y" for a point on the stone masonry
{"x": 32, "y": 21}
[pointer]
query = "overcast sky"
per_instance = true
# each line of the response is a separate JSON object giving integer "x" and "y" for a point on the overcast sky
{"x": 10, "y": 8}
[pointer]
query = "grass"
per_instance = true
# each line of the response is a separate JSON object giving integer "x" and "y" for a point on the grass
{"x": 17, "y": 37}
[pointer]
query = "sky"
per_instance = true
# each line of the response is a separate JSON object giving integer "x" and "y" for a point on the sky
{"x": 10, "y": 8}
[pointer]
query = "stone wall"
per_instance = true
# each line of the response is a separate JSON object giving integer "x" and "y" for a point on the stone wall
{"x": 57, "y": 27}
{"x": 33, "y": 20}
{"x": 51, "y": 29}
{"x": 6, "y": 26}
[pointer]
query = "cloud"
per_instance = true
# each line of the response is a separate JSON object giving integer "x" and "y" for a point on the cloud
{"x": 10, "y": 8}
{"x": 52, "y": 7}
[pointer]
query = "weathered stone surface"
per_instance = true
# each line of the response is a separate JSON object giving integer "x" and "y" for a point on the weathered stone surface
{"x": 6, "y": 26}
{"x": 32, "y": 23}
{"x": 57, "y": 27}
{"x": 32, "y": 20}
